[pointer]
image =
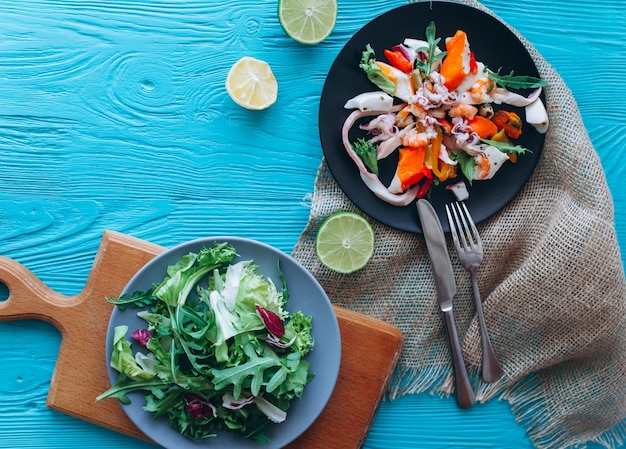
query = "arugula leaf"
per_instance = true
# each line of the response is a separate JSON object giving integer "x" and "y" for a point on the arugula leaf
{"x": 466, "y": 162}
{"x": 283, "y": 279}
{"x": 506, "y": 147}
{"x": 366, "y": 150}
{"x": 293, "y": 386}
{"x": 163, "y": 400}
{"x": 173, "y": 403}
{"x": 122, "y": 387}
{"x": 425, "y": 65}
{"x": 134, "y": 300}
{"x": 513, "y": 81}
{"x": 238, "y": 376}
{"x": 373, "y": 72}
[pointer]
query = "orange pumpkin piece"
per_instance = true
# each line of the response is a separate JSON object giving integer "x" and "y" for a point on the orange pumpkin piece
{"x": 482, "y": 126}
{"x": 456, "y": 64}
{"x": 411, "y": 168}
{"x": 510, "y": 122}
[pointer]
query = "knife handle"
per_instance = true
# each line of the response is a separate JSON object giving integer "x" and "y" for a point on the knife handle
{"x": 465, "y": 396}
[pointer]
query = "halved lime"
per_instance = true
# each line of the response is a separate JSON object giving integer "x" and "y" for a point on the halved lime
{"x": 344, "y": 242}
{"x": 307, "y": 21}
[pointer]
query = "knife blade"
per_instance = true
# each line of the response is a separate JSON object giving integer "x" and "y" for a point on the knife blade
{"x": 445, "y": 285}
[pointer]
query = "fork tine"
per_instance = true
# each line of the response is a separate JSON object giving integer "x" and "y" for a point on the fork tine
{"x": 468, "y": 238}
{"x": 453, "y": 228}
{"x": 459, "y": 236}
{"x": 470, "y": 226}
{"x": 462, "y": 227}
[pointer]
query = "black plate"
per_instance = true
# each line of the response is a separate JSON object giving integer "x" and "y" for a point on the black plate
{"x": 492, "y": 43}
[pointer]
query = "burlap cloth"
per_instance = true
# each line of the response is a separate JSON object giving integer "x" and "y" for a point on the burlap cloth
{"x": 552, "y": 283}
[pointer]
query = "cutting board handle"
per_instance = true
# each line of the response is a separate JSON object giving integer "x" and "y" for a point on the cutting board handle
{"x": 29, "y": 298}
{"x": 80, "y": 370}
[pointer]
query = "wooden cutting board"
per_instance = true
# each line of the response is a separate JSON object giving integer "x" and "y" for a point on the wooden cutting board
{"x": 370, "y": 347}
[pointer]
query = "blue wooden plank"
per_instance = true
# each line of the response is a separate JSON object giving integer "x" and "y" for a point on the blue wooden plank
{"x": 114, "y": 116}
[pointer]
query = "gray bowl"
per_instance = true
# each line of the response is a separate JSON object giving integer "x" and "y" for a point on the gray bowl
{"x": 305, "y": 294}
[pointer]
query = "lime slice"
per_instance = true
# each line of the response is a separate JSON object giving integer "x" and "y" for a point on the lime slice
{"x": 251, "y": 84}
{"x": 344, "y": 242}
{"x": 307, "y": 21}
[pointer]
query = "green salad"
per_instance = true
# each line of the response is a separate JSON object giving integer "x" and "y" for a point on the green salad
{"x": 219, "y": 350}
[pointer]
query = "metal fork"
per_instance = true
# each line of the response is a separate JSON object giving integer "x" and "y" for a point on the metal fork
{"x": 469, "y": 248}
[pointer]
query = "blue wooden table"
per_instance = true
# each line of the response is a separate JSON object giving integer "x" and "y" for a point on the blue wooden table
{"x": 113, "y": 115}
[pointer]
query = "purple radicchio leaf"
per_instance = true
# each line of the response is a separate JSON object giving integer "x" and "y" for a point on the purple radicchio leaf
{"x": 198, "y": 407}
{"x": 141, "y": 336}
{"x": 272, "y": 322}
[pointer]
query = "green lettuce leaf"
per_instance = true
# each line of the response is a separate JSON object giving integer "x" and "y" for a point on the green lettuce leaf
{"x": 373, "y": 72}
{"x": 367, "y": 151}
{"x": 299, "y": 327}
{"x": 186, "y": 273}
{"x": 123, "y": 359}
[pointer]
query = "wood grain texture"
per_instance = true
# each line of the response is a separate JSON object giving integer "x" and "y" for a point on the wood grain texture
{"x": 114, "y": 116}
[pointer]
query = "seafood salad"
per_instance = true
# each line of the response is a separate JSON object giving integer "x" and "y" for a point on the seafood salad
{"x": 435, "y": 108}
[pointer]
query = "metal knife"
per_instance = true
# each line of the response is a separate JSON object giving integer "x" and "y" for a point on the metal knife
{"x": 446, "y": 289}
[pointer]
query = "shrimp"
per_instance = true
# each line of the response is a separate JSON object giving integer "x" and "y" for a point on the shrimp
{"x": 480, "y": 90}
{"x": 414, "y": 138}
{"x": 483, "y": 166}
{"x": 463, "y": 110}
{"x": 404, "y": 117}
{"x": 409, "y": 113}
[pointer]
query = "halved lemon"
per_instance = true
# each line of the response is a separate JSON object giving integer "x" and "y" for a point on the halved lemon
{"x": 251, "y": 84}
